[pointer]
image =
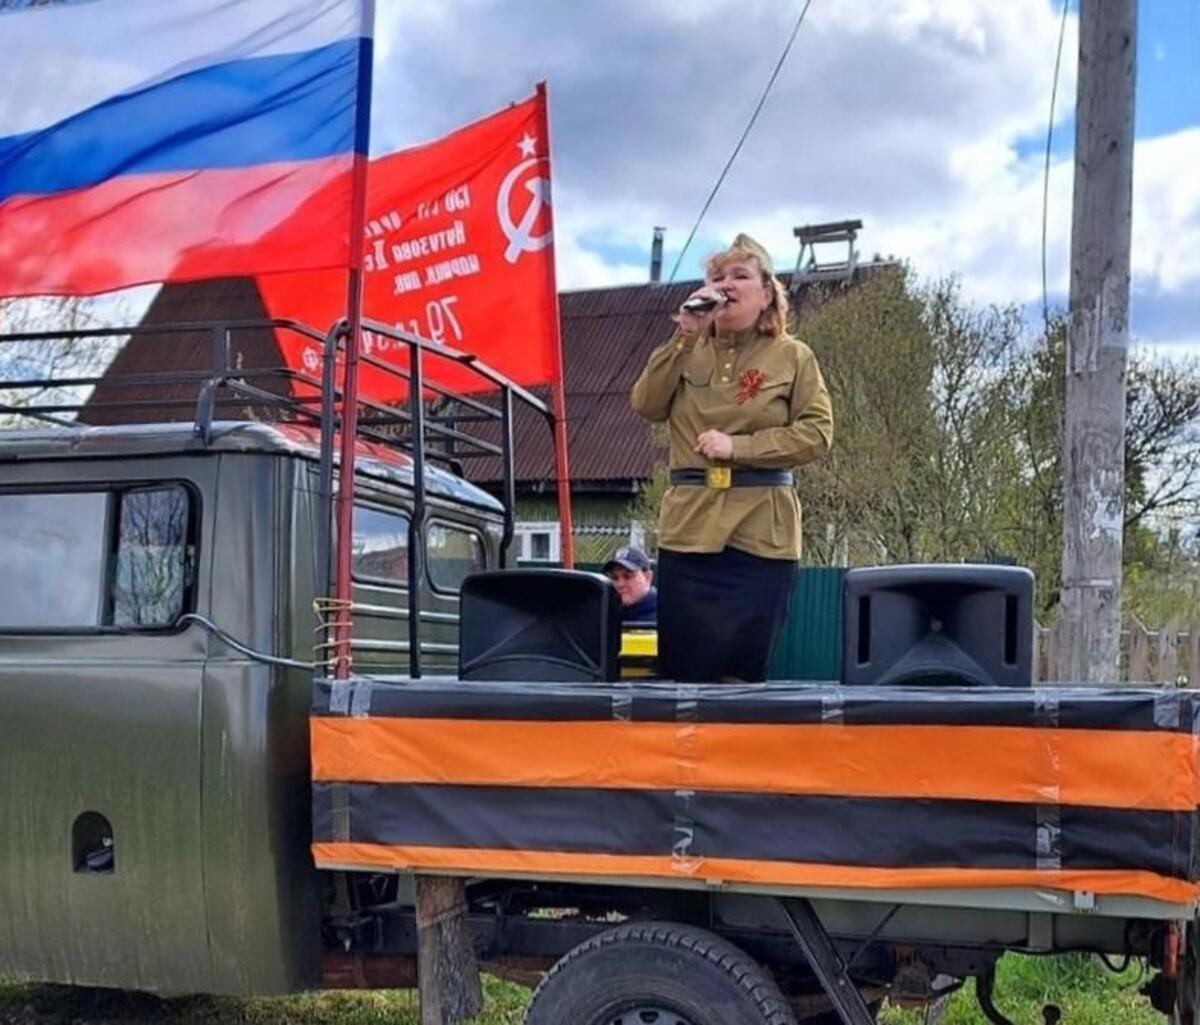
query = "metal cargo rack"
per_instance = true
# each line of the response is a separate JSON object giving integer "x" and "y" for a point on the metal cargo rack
{"x": 429, "y": 423}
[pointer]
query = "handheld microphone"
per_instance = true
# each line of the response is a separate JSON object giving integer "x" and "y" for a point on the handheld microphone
{"x": 703, "y": 303}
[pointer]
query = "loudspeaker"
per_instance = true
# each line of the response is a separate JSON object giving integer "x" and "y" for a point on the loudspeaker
{"x": 539, "y": 624}
{"x": 956, "y": 625}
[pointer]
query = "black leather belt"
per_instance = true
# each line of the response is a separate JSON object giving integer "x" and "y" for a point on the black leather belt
{"x": 721, "y": 477}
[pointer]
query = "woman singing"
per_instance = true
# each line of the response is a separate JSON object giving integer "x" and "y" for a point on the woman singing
{"x": 744, "y": 404}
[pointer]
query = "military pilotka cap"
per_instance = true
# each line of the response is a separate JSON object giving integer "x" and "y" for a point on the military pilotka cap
{"x": 629, "y": 556}
{"x": 747, "y": 244}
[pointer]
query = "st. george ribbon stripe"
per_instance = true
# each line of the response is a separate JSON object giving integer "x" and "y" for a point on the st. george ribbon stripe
{"x": 1120, "y": 769}
{"x": 283, "y": 108}
{"x": 755, "y": 827}
{"x": 775, "y": 875}
{"x": 1067, "y": 708}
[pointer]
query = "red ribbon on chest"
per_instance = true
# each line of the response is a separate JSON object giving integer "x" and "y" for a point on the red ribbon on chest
{"x": 749, "y": 384}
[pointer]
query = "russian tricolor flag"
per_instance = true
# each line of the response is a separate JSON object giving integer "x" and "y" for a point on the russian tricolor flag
{"x": 157, "y": 140}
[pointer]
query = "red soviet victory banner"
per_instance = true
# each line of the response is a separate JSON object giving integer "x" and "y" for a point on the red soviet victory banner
{"x": 458, "y": 249}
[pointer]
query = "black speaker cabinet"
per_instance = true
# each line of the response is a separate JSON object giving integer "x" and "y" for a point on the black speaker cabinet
{"x": 955, "y": 625}
{"x": 539, "y": 624}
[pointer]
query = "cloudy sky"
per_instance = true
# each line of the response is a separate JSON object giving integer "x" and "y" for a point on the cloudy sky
{"x": 924, "y": 118}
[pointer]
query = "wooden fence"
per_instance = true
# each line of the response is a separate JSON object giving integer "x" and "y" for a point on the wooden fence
{"x": 1170, "y": 655}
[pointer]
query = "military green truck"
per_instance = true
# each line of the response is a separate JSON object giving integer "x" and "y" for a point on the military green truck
{"x": 194, "y": 801}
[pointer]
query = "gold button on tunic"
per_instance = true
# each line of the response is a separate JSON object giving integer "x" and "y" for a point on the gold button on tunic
{"x": 771, "y": 399}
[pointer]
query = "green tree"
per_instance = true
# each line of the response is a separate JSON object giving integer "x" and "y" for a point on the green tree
{"x": 948, "y": 443}
{"x": 49, "y": 359}
{"x": 863, "y": 502}
{"x": 1162, "y": 476}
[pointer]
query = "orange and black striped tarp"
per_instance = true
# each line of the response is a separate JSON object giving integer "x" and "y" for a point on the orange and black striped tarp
{"x": 779, "y": 784}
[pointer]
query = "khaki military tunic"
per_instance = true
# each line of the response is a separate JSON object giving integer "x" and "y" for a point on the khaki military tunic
{"x": 768, "y": 394}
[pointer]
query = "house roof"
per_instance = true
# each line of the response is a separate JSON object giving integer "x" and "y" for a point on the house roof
{"x": 226, "y": 299}
{"x": 607, "y": 335}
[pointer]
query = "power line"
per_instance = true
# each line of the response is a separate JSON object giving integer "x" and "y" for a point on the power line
{"x": 738, "y": 148}
{"x": 1062, "y": 31}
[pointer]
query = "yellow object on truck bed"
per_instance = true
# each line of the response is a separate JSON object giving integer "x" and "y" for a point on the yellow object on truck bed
{"x": 639, "y": 653}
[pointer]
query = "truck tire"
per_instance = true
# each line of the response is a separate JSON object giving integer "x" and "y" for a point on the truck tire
{"x": 658, "y": 973}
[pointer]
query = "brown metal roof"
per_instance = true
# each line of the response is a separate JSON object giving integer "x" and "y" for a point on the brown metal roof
{"x": 215, "y": 299}
{"x": 607, "y": 335}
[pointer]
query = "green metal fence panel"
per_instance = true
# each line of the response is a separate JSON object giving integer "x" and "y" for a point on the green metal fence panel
{"x": 810, "y": 644}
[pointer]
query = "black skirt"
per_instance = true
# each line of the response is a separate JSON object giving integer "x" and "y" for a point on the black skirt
{"x": 719, "y": 614}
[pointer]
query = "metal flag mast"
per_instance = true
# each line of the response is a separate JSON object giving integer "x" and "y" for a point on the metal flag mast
{"x": 562, "y": 471}
{"x": 344, "y": 500}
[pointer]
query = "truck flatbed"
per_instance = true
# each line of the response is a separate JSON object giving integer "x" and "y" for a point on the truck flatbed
{"x": 1050, "y": 799}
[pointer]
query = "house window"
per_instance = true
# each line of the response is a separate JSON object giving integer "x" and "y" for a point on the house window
{"x": 537, "y": 541}
{"x": 88, "y": 560}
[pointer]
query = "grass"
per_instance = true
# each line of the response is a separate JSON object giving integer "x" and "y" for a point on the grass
{"x": 22, "y": 1004}
{"x": 1087, "y": 993}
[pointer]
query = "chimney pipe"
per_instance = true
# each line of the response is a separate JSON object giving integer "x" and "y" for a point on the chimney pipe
{"x": 656, "y": 250}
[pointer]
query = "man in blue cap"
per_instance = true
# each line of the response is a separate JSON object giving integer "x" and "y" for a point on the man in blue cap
{"x": 630, "y": 571}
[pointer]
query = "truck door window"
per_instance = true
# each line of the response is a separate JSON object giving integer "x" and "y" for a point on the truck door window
{"x": 52, "y": 560}
{"x": 453, "y": 553}
{"x": 380, "y": 548}
{"x": 90, "y": 560}
{"x": 152, "y": 566}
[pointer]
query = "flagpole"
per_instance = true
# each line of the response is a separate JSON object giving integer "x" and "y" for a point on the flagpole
{"x": 562, "y": 469}
{"x": 344, "y": 502}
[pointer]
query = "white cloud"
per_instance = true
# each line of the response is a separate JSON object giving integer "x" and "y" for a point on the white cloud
{"x": 991, "y": 235}
{"x": 903, "y": 112}
{"x": 1166, "y": 217}
{"x": 612, "y": 225}
{"x": 580, "y": 268}
{"x": 48, "y": 313}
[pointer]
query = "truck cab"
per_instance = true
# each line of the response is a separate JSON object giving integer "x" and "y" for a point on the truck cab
{"x": 156, "y": 643}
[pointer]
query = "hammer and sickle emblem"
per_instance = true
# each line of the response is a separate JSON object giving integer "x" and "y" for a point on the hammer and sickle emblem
{"x": 519, "y": 238}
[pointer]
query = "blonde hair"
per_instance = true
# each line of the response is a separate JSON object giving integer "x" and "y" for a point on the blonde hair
{"x": 773, "y": 320}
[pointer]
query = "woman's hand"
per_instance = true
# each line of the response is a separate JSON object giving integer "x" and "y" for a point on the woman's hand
{"x": 714, "y": 444}
{"x": 698, "y": 323}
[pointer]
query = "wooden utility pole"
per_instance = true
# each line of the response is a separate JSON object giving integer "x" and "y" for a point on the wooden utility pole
{"x": 1097, "y": 342}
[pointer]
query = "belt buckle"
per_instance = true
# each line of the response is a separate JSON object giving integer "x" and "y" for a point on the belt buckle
{"x": 718, "y": 477}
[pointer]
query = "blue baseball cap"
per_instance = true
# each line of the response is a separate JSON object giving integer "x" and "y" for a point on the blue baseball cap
{"x": 629, "y": 556}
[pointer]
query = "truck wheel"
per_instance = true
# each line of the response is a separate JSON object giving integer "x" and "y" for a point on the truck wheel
{"x": 658, "y": 973}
